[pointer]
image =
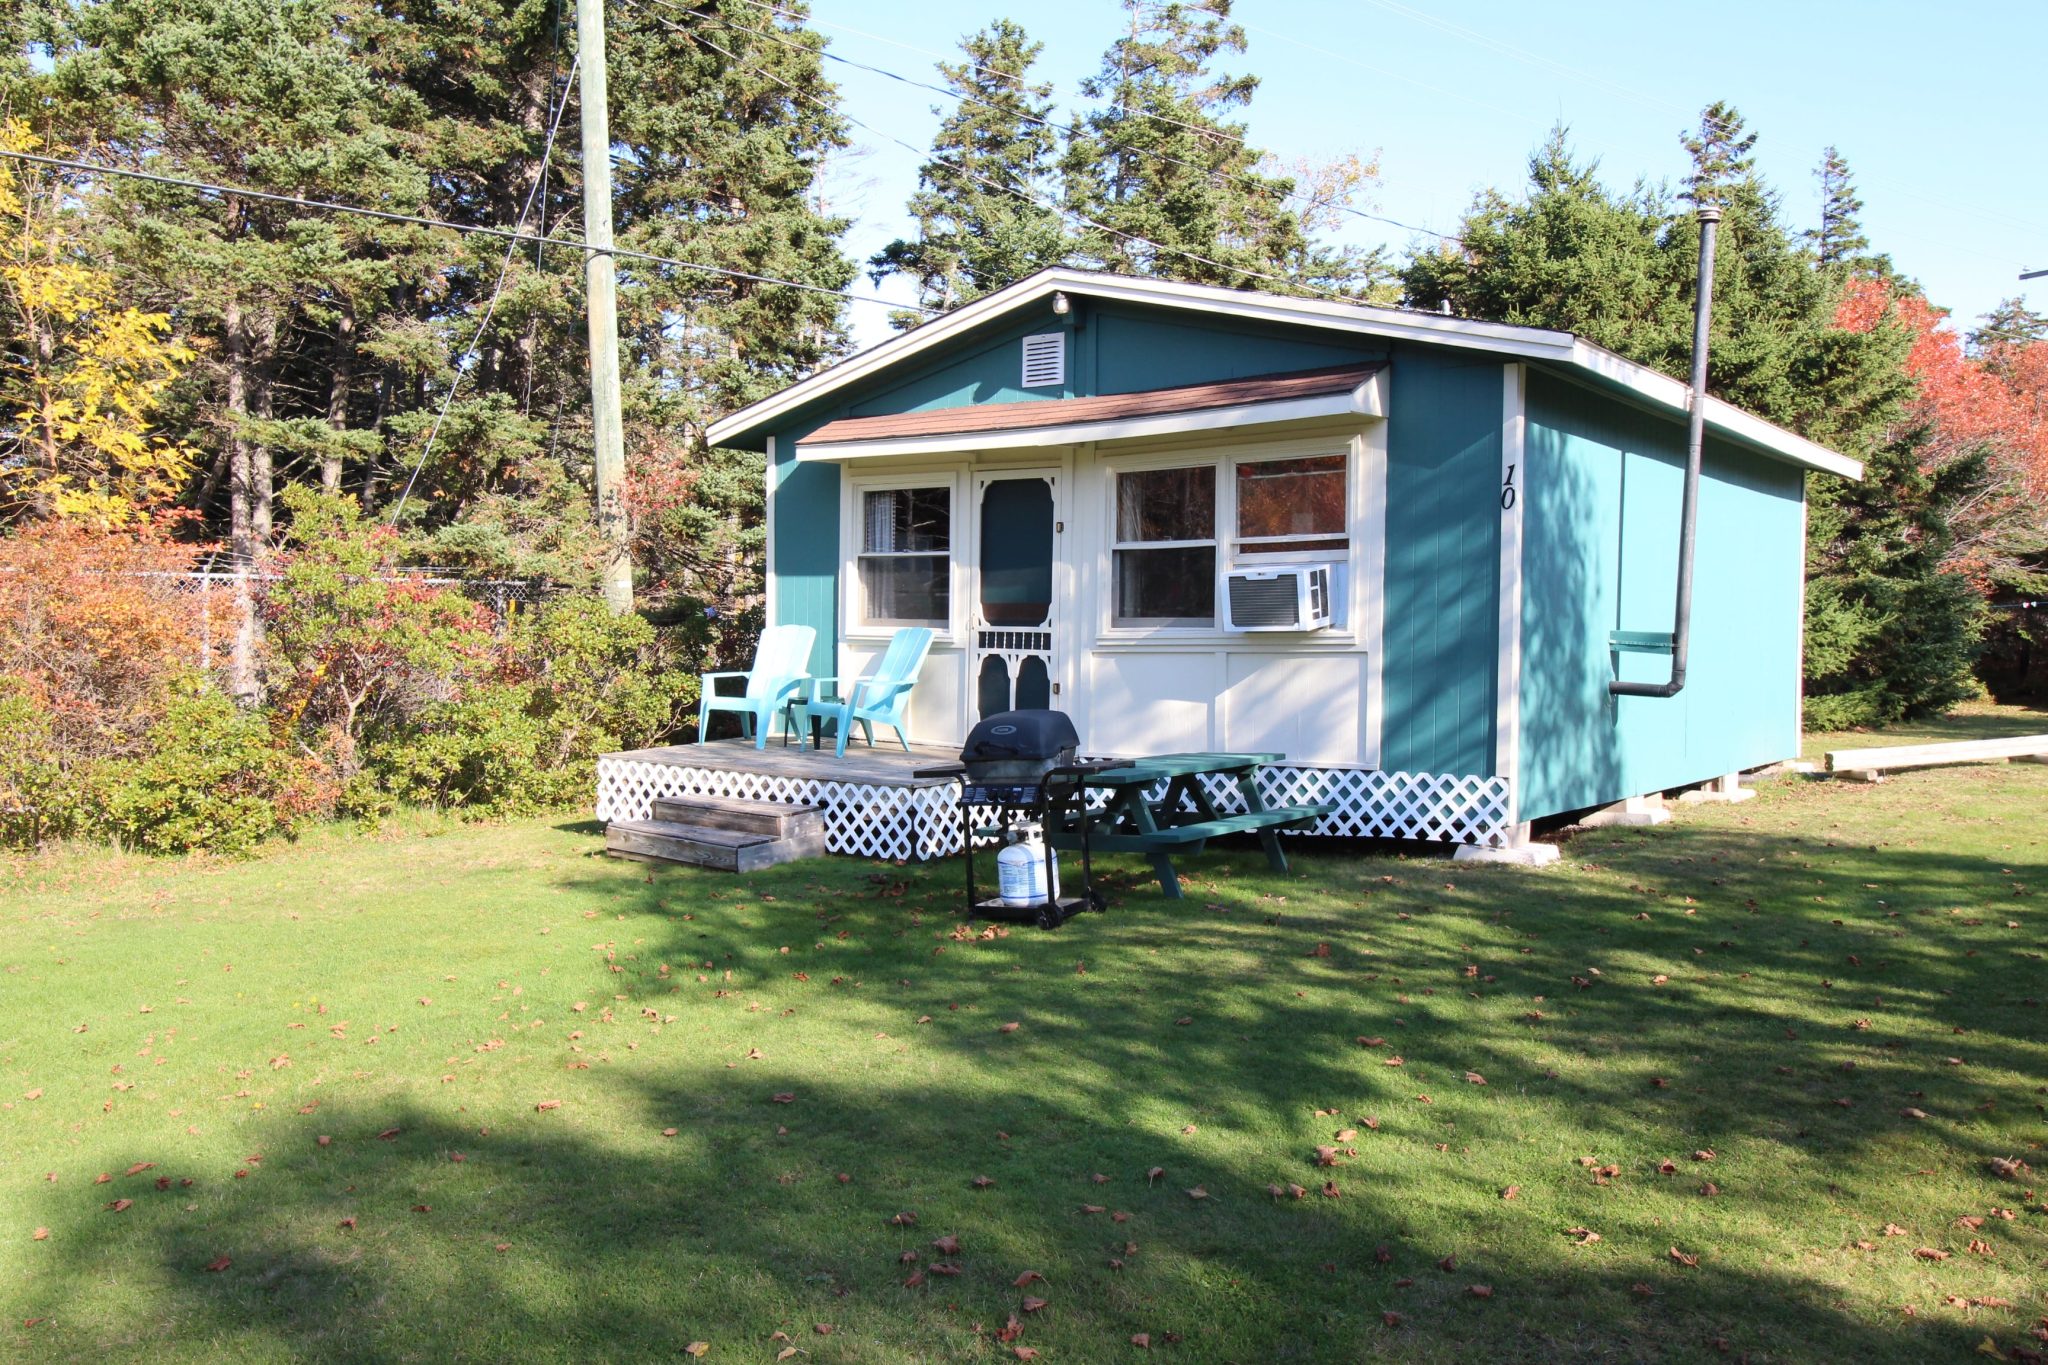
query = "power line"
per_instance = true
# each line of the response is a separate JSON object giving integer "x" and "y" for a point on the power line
{"x": 1076, "y": 216}
{"x": 540, "y": 180}
{"x": 504, "y": 234}
{"x": 1215, "y": 175}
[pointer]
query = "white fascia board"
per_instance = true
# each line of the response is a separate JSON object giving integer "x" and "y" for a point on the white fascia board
{"x": 1666, "y": 392}
{"x": 1364, "y": 319}
{"x": 1367, "y": 400}
{"x": 1505, "y": 339}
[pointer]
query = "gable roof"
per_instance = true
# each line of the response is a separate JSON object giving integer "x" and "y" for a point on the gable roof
{"x": 1327, "y": 392}
{"x": 1561, "y": 350}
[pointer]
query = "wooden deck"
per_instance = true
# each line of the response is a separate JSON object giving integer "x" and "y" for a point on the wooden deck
{"x": 881, "y": 766}
{"x": 873, "y": 804}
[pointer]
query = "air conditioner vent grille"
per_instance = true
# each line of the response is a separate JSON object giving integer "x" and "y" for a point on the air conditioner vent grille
{"x": 1268, "y": 602}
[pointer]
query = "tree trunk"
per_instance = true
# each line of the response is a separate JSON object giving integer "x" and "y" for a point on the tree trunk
{"x": 262, "y": 477}
{"x": 341, "y": 376}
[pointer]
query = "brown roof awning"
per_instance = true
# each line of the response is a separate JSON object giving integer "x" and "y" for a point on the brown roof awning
{"x": 903, "y": 432}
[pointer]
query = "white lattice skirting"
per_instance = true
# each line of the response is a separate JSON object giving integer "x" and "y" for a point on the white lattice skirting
{"x": 877, "y": 821}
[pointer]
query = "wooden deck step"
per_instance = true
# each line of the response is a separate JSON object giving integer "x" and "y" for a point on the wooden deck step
{"x": 771, "y": 818}
{"x": 727, "y": 850}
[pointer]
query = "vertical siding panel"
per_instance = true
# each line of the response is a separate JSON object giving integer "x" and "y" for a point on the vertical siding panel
{"x": 1443, "y": 561}
{"x": 1602, "y": 555}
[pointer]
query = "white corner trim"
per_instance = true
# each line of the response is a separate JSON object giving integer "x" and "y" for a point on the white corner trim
{"x": 1367, "y": 400}
{"x": 1369, "y": 591}
{"x": 1514, "y": 478}
{"x": 768, "y": 594}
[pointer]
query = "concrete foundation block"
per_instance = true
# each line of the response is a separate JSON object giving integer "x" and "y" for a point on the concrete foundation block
{"x": 1726, "y": 789}
{"x": 1520, "y": 855}
{"x": 1636, "y": 811}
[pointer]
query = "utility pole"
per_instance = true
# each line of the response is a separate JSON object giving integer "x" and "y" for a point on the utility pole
{"x": 601, "y": 288}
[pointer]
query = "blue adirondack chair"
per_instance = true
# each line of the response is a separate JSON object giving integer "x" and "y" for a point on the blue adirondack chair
{"x": 883, "y": 695}
{"x": 778, "y": 675}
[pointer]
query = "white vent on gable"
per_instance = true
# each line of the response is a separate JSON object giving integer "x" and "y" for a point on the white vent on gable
{"x": 1045, "y": 360}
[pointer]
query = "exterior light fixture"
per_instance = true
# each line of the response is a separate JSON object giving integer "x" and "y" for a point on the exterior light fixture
{"x": 1060, "y": 305}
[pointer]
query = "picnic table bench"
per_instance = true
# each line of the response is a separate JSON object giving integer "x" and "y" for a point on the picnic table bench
{"x": 1180, "y": 820}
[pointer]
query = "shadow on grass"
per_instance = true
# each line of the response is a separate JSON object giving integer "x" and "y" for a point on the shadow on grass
{"x": 622, "y": 1243}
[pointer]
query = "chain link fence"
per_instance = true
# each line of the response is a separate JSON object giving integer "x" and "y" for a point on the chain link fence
{"x": 502, "y": 597}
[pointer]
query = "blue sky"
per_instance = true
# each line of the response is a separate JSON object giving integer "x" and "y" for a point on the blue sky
{"x": 1936, "y": 107}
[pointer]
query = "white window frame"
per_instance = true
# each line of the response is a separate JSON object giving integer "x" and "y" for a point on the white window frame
{"x": 855, "y": 624}
{"x": 1224, "y": 460}
{"x": 1277, "y": 549}
{"x": 1117, "y": 543}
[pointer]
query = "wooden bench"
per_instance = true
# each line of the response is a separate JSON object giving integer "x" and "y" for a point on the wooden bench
{"x": 1870, "y": 765}
{"x": 1183, "y": 819}
{"x": 1201, "y": 831}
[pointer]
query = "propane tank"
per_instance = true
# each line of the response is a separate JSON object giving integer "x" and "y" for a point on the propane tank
{"x": 1020, "y": 870}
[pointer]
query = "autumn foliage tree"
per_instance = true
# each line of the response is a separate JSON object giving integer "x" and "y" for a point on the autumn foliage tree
{"x": 96, "y": 627}
{"x": 1990, "y": 409}
{"x": 81, "y": 372}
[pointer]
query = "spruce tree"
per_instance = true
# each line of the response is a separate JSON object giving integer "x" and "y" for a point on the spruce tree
{"x": 1889, "y": 630}
{"x": 1160, "y": 176}
{"x": 984, "y": 200}
{"x": 1839, "y": 240}
{"x": 2011, "y": 323}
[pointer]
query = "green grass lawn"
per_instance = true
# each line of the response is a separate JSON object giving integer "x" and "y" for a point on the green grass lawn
{"x": 479, "y": 1092}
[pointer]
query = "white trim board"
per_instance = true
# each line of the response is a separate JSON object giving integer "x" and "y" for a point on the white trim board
{"x": 1514, "y": 470}
{"x": 1525, "y": 343}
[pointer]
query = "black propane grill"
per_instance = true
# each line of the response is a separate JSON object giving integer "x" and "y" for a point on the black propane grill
{"x": 1019, "y": 767}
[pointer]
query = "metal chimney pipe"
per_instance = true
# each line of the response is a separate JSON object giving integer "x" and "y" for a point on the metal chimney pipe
{"x": 1695, "y": 441}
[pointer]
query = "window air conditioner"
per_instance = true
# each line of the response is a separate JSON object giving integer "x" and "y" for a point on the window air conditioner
{"x": 1283, "y": 597}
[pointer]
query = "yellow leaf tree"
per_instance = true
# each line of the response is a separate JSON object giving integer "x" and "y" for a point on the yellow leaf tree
{"x": 81, "y": 374}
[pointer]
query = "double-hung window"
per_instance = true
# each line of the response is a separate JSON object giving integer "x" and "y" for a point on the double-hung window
{"x": 905, "y": 560}
{"x": 1172, "y": 525}
{"x": 1165, "y": 548}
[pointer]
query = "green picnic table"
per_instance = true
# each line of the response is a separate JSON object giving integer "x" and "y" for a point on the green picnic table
{"x": 1181, "y": 820}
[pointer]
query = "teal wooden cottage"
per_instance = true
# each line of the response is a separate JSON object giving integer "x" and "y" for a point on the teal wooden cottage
{"x": 1408, "y": 551}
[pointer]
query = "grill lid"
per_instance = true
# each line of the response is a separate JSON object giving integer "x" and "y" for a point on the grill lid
{"x": 1046, "y": 736}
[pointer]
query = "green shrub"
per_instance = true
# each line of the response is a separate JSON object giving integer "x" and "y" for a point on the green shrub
{"x": 211, "y": 779}
{"x": 601, "y": 682}
{"x": 577, "y": 681}
{"x": 482, "y": 754}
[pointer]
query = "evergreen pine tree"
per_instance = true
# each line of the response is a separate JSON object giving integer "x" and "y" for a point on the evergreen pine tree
{"x": 2011, "y": 323}
{"x": 1890, "y": 631}
{"x": 1721, "y": 150}
{"x": 981, "y": 206}
{"x": 1162, "y": 180}
{"x": 1839, "y": 240}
